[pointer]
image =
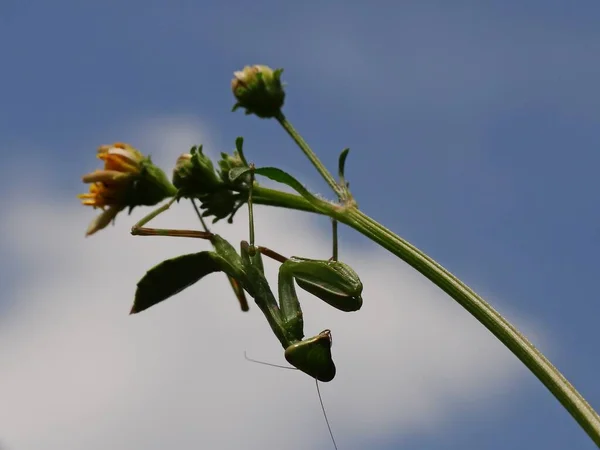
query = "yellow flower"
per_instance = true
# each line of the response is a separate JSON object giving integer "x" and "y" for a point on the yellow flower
{"x": 128, "y": 179}
{"x": 108, "y": 187}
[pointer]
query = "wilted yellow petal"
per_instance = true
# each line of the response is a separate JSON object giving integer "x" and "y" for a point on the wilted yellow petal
{"x": 106, "y": 176}
{"x": 120, "y": 157}
{"x": 129, "y": 153}
{"x": 102, "y": 220}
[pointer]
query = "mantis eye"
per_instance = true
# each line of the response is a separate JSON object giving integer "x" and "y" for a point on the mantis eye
{"x": 313, "y": 356}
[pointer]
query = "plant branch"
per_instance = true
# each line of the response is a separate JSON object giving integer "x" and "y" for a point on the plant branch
{"x": 287, "y": 126}
{"x": 516, "y": 342}
{"x": 273, "y": 197}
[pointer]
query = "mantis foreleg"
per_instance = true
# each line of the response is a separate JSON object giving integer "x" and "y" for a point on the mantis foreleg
{"x": 334, "y": 282}
{"x": 139, "y": 230}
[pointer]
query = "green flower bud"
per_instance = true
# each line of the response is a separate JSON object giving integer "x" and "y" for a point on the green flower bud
{"x": 228, "y": 162}
{"x": 195, "y": 175}
{"x": 258, "y": 89}
{"x": 221, "y": 205}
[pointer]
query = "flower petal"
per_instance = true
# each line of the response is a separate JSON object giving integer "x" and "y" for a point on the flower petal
{"x": 129, "y": 153}
{"x": 103, "y": 220}
{"x": 106, "y": 176}
{"x": 121, "y": 157}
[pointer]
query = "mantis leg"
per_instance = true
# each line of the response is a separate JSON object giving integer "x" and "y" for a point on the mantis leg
{"x": 289, "y": 306}
{"x": 139, "y": 230}
{"x": 264, "y": 298}
{"x": 332, "y": 281}
{"x": 313, "y": 355}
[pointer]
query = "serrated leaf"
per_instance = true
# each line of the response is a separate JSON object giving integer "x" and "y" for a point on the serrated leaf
{"x": 171, "y": 277}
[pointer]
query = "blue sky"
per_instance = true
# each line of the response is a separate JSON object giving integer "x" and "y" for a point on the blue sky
{"x": 473, "y": 130}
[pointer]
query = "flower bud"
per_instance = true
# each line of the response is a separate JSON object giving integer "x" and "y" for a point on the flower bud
{"x": 258, "y": 89}
{"x": 222, "y": 204}
{"x": 195, "y": 175}
{"x": 228, "y": 162}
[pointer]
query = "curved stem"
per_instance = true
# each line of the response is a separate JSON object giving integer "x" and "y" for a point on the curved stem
{"x": 287, "y": 126}
{"x": 516, "y": 342}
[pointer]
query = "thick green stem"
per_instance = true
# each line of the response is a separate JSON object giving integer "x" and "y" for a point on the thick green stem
{"x": 518, "y": 344}
{"x": 273, "y": 197}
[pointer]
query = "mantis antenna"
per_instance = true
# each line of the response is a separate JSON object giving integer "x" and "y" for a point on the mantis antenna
{"x": 266, "y": 363}
{"x": 318, "y": 392}
{"x": 325, "y": 414}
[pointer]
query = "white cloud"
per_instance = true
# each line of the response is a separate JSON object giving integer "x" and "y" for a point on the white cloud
{"x": 78, "y": 372}
{"x": 166, "y": 137}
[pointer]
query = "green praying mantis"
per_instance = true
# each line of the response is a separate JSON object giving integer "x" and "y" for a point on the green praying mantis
{"x": 330, "y": 280}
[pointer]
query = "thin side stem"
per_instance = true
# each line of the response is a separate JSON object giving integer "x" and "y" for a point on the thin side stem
{"x": 251, "y": 210}
{"x": 287, "y": 126}
{"x": 334, "y": 226}
{"x": 199, "y": 214}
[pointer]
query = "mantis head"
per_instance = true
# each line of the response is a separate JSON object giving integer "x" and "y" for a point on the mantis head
{"x": 313, "y": 356}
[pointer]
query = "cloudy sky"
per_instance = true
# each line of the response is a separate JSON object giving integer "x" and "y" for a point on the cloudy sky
{"x": 474, "y": 133}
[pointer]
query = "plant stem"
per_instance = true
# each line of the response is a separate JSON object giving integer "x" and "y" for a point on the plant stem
{"x": 287, "y": 126}
{"x": 272, "y": 197}
{"x": 517, "y": 343}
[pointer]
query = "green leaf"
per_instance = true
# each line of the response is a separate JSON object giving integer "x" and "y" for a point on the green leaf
{"x": 280, "y": 176}
{"x": 239, "y": 143}
{"x": 342, "y": 163}
{"x": 237, "y": 172}
{"x": 171, "y": 277}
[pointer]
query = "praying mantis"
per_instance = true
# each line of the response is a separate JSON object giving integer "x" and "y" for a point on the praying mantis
{"x": 332, "y": 281}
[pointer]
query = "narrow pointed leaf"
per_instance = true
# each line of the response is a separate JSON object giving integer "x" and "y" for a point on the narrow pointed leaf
{"x": 279, "y": 175}
{"x": 239, "y": 144}
{"x": 172, "y": 276}
{"x": 342, "y": 164}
